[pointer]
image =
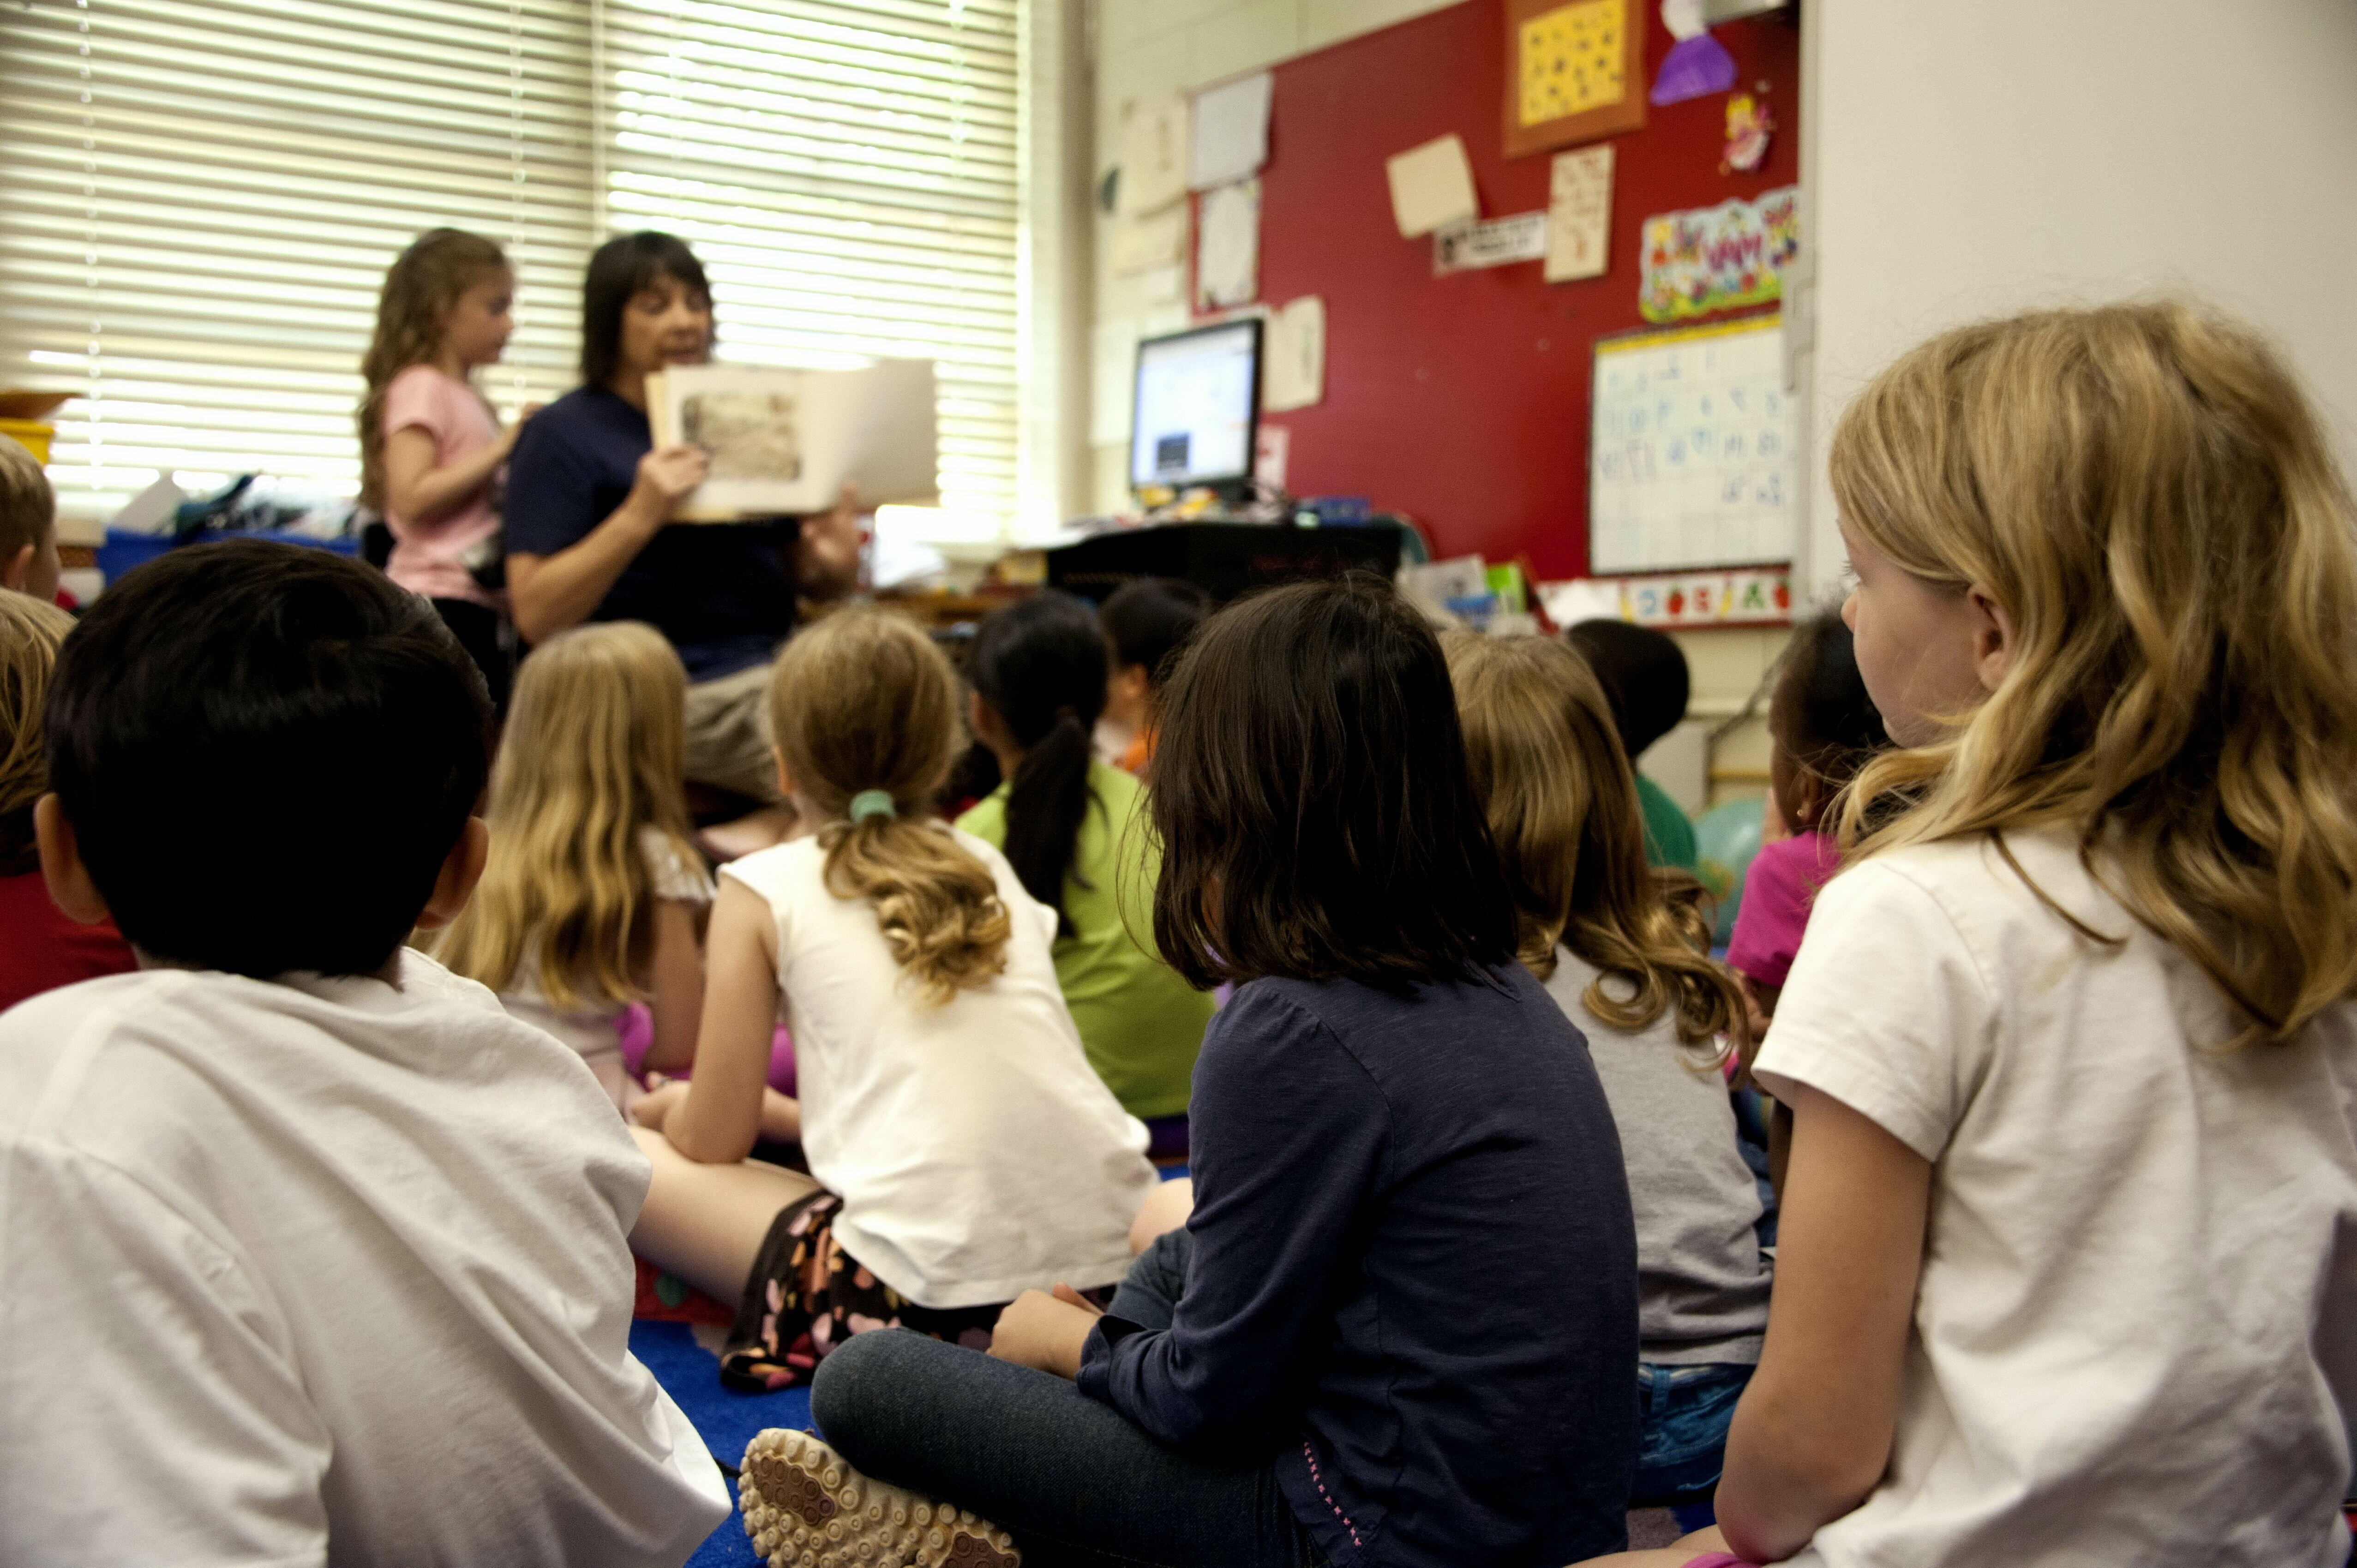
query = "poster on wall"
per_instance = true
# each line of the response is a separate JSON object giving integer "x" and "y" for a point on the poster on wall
{"x": 1719, "y": 258}
{"x": 1575, "y": 72}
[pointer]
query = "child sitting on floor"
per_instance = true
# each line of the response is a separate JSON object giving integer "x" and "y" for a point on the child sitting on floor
{"x": 961, "y": 1147}
{"x": 594, "y": 898}
{"x": 44, "y": 947}
{"x": 1071, "y": 827}
{"x": 1400, "y": 1328}
{"x": 2068, "y": 1268}
{"x": 1146, "y": 621}
{"x": 1644, "y": 676}
{"x": 313, "y": 1253}
{"x": 1628, "y": 963}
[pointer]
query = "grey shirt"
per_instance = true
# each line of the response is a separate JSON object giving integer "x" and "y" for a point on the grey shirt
{"x": 1702, "y": 1283}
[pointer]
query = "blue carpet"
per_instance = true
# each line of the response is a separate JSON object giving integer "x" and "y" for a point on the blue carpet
{"x": 728, "y": 1420}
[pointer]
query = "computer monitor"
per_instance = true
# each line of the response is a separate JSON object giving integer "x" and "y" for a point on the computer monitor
{"x": 1197, "y": 411}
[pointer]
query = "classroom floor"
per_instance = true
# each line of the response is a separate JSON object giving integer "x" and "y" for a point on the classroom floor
{"x": 728, "y": 1420}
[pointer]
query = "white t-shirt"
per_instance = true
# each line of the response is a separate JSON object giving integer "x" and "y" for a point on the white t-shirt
{"x": 976, "y": 1154}
{"x": 2136, "y": 1327}
{"x": 596, "y": 1032}
{"x": 1702, "y": 1283}
{"x": 322, "y": 1271}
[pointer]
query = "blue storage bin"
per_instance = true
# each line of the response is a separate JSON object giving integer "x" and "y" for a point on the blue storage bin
{"x": 123, "y": 551}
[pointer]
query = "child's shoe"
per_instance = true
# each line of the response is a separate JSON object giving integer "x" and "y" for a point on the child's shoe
{"x": 805, "y": 1507}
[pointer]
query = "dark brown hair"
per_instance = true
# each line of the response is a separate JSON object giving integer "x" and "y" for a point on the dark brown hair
{"x": 1311, "y": 797}
{"x": 1823, "y": 722}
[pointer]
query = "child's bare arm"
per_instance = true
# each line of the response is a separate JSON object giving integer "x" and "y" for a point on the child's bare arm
{"x": 1813, "y": 1434}
{"x": 676, "y": 979}
{"x": 417, "y": 491}
{"x": 721, "y": 1114}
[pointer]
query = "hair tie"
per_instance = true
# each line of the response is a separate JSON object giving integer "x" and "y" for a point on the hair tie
{"x": 873, "y": 803}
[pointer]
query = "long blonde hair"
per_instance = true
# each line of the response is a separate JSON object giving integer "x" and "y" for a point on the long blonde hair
{"x": 594, "y": 754}
{"x": 31, "y": 632}
{"x": 863, "y": 701}
{"x": 1562, "y": 807}
{"x": 2146, "y": 492}
{"x": 423, "y": 282}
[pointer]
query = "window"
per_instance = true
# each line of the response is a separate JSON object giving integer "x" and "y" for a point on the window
{"x": 202, "y": 196}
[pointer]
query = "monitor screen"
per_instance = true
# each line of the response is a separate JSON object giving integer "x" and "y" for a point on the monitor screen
{"x": 1198, "y": 406}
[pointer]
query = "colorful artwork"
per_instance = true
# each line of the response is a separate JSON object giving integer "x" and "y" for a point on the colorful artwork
{"x": 1749, "y": 126}
{"x": 1572, "y": 60}
{"x": 1719, "y": 258}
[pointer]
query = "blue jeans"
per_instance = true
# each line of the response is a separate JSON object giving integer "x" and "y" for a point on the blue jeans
{"x": 1683, "y": 1414}
{"x": 1074, "y": 1481}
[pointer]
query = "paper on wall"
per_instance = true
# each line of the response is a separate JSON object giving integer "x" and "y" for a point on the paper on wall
{"x": 1164, "y": 286}
{"x": 1581, "y": 599}
{"x": 1295, "y": 375}
{"x": 1228, "y": 138}
{"x": 1432, "y": 186}
{"x": 1580, "y": 214}
{"x": 1227, "y": 251}
{"x": 1157, "y": 240}
{"x": 1153, "y": 154}
{"x": 1461, "y": 247}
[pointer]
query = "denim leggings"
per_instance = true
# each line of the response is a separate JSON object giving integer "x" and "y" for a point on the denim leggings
{"x": 1074, "y": 1481}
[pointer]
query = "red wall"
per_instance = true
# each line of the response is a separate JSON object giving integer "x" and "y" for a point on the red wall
{"x": 1463, "y": 401}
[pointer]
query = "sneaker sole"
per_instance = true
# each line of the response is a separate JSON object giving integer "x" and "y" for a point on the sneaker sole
{"x": 805, "y": 1507}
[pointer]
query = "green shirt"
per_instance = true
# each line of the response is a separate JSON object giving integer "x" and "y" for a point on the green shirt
{"x": 1140, "y": 1024}
{"x": 1669, "y": 836}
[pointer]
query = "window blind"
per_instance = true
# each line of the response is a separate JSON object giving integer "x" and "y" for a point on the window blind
{"x": 201, "y": 199}
{"x": 847, "y": 172}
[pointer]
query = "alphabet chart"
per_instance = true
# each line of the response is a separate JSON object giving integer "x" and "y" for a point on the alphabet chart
{"x": 1691, "y": 450}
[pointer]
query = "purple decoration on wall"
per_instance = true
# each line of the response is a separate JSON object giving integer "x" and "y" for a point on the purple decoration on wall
{"x": 1693, "y": 68}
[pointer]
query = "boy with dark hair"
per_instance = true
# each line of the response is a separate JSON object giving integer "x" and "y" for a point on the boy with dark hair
{"x": 28, "y": 525}
{"x": 1643, "y": 673}
{"x": 1146, "y": 621}
{"x": 309, "y": 1249}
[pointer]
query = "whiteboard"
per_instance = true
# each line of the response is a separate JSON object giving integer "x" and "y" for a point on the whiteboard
{"x": 1692, "y": 450}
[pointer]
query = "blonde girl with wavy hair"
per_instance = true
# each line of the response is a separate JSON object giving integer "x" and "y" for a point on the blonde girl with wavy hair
{"x": 2067, "y": 1266}
{"x": 1625, "y": 951}
{"x": 961, "y": 1148}
{"x": 431, "y": 446}
{"x": 594, "y": 897}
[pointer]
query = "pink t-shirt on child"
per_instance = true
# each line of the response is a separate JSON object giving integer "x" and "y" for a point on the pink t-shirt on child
{"x": 429, "y": 558}
{"x": 1777, "y": 893}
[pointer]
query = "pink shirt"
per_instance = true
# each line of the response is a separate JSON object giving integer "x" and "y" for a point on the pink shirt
{"x": 429, "y": 557}
{"x": 1777, "y": 893}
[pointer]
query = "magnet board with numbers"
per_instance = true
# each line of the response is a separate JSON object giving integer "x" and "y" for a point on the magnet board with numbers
{"x": 1691, "y": 450}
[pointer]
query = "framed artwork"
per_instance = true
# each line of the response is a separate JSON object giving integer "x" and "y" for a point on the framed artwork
{"x": 1575, "y": 72}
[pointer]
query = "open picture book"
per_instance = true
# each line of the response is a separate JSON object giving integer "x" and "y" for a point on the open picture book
{"x": 784, "y": 442}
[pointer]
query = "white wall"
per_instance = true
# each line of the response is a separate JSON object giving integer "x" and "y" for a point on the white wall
{"x": 1967, "y": 157}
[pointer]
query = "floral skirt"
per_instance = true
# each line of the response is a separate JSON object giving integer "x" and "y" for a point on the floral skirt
{"x": 806, "y": 1295}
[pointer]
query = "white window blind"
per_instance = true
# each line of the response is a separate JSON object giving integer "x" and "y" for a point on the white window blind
{"x": 199, "y": 200}
{"x": 847, "y": 174}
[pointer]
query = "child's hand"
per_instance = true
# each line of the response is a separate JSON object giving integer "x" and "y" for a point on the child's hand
{"x": 663, "y": 1093}
{"x": 1045, "y": 1332}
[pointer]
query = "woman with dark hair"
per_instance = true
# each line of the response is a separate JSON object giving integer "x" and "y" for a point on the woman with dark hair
{"x": 588, "y": 495}
{"x": 1071, "y": 827}
{"x": 1400, "y": 1329}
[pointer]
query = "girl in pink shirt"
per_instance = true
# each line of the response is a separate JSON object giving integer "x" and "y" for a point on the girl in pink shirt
{"x": 431, "y": 447}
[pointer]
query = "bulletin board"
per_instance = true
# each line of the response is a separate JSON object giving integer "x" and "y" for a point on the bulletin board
{"x": 1693, "y": 448}
{"x": 1464, "y": 400}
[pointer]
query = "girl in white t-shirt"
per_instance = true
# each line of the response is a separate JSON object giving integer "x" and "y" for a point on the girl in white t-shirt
{"x": 963, "y": 1147}
{"x": 431, "y": 446}
{"x": 1625, "y": 953}
{"x": 594, "y": 897}
{"x": 2068, "y": 1265}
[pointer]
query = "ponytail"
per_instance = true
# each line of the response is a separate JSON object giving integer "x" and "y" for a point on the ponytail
{"x": 865, "y": 710}
{"x": 1041, "y": 666}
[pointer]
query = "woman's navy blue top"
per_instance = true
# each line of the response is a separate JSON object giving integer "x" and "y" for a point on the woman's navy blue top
{"x": 1413, "y": 1280}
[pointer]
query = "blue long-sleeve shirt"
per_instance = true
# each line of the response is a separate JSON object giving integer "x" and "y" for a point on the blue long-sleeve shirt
{"x": 1414, "y": 1277}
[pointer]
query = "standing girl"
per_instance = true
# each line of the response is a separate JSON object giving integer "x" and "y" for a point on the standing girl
{"x": 1071, "y": 827}
{"x": 2068, "y": 1266}
{"x": 1628, "y": 963}
{"x": 1401, "y": 1326}
{"x": 963, "y": 1149}
{"x": 431, "y": 447}
{"x": 594, "y": 897}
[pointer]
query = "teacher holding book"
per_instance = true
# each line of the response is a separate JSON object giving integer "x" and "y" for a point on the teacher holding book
{"x": 589, "y": 494}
